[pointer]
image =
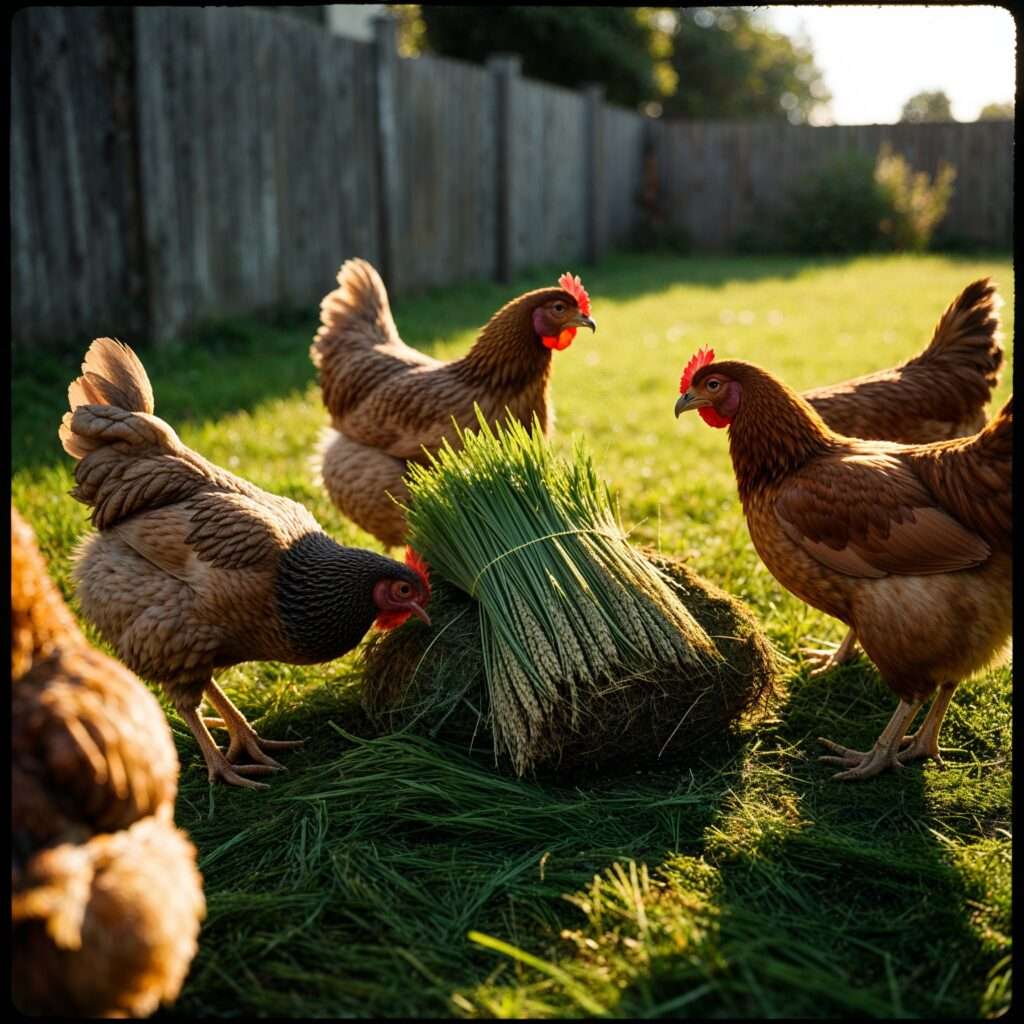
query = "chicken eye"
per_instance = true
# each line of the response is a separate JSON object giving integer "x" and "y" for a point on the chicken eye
{"x": 712, "y": 385}
{"x": 403, "y": 590}
{"x": 559, "y": 307}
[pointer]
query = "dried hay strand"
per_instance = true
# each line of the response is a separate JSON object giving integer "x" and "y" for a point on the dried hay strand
{"x": 554, "y": 642}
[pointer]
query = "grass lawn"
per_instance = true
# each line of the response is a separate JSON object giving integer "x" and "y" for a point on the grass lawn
{"x": 393, "y": 876}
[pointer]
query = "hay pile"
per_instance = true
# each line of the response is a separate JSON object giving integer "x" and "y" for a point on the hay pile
{"x": 554, "y": 641}
{"x": 431, "y": 679}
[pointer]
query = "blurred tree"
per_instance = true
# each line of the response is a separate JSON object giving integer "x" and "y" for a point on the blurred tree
{"x": 411, "y": 30}
{"x": 615, "y": 46}
{"x": 996, "y": 111}
{"x": 731, "y": 64}
{"x": 927, "y": 106}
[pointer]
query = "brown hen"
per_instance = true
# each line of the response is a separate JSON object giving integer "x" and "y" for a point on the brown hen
{"x": 194, "y": 569}
{"x": 106, "y": 899}
{"x": 388, "y": 401}
{"x": 909, "y": 545}
{"x": 938, "y": 395}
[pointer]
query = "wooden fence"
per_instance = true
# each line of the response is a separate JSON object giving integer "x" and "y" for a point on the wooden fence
{"x": 721, "y": 179}
{"x": 173, "y": 164}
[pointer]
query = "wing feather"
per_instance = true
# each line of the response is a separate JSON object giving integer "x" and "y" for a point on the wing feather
{"x": 871, "y": 516}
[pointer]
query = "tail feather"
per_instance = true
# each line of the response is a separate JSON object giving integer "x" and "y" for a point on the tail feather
{"x": 112, "y": 375}
{"x": 130, "y": 461}
{"x": 997, "y": 437}
{"x": 356, "y": 312}
{"x": 968, "y": 335}
{"x": 973, "y": 477}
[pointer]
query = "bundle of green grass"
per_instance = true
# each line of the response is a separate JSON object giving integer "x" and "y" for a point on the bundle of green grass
{"x": 553, "y": 641}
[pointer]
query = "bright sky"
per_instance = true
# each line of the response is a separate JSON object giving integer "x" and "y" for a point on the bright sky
{"x": 875, "y": 58}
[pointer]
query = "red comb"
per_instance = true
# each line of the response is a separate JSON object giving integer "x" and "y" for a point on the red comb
{"x": 704, "y": 357}
{"x": 415, "y": 562}
{"x": 574, "y": 286}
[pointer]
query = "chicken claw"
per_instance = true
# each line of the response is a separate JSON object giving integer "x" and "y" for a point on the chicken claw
{"x": 244, "y": 739}
{"x": 860, "y": 764}
{"x": 826, "y": 659}
{"x": 232, "y": 774}
{"x": 925, "y": 742}
{"x": 217, "y": 765}
{"x": 916, "y": 746}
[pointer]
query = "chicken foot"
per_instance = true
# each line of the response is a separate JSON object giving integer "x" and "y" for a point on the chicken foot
{"x": 217, "y": 764}
{"x": 826, "y": 660}
{"x": 884, "y": 754}
{"x": 243, "y": 738}
{"x": 925, "y": 742}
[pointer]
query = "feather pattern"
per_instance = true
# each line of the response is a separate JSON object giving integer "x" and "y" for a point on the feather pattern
{"x": 909, "y": 545}
{"x": 195, "y": 568}
{"x": 938, "y": 395}
{"x": 389, "y": 403}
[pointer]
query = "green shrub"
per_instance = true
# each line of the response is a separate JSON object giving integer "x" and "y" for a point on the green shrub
{"x": 853, "y": 204}
{"x": 916, "y": 204}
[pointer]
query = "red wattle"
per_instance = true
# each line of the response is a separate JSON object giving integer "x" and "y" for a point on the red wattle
{"x": 563, "y": 341}
{"x": 391, "y": 620}
{"x": 712, "y": 417}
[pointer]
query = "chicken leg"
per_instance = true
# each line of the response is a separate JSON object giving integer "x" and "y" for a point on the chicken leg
{"x": 825, "y": 660}
{"x": 925, "y": 742}
{"x": 243, "y": 738}
{"x": 217, "y": 764}
{"x": 884, "y": 754}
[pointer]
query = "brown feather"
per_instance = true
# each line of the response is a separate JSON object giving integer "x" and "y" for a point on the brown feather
{"x": 909, "y": 545}
{"x": 106, "y": 899}
{"x": 389, "y": 402}
{"x": 940, "y": 393}
{"x": 194, "y": 568}
{"x": 108, "y": 927}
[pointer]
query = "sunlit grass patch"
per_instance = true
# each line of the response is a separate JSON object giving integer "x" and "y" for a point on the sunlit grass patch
{"x": 746, "y": 884}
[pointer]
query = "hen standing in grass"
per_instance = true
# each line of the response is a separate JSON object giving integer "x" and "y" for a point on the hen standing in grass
{"x": 388, "y": 401}
{"x": 938, "y": 395}
{"x": 194, "y": 569}
{"x": 909, "y": 545}
{"x": 106, "y": 899}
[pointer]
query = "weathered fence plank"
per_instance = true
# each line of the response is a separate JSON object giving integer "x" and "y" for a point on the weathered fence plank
{"x": 76, "y": 260}
{"x": 447, "y": 142}
{"x": 257, "y": 160}
{"x": 549, "y": 194}
{"x": 621, "y": 149}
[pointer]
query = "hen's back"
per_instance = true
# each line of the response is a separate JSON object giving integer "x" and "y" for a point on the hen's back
{"x": 357, "y": 346}
{"x": 938, "y": 395}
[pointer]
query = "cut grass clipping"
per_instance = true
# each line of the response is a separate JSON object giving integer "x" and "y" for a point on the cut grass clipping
{"x": 573, "y": 647}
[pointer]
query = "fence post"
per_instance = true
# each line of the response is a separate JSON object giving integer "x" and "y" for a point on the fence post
{"x": 505, "y": 70}
{"x": 596, "y": 197}
{"x": 385, "y": 43}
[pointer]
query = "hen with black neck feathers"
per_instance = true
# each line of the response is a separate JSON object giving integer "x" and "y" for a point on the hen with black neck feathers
{"x": 388, "y": 401}
{"x": 909, "y": 545}
{"x": 194, "y": 569}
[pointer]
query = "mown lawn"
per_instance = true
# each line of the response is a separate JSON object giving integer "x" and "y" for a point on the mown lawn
{"x": 394, "y": 876}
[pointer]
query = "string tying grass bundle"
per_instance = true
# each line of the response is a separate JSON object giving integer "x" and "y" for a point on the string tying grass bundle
{"x": 546, "y": 623}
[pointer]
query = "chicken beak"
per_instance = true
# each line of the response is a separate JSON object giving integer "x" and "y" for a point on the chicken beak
{"x": 583, "y": 321}
{"x": 419, "y": 612}
{"x": 686, "y": 402}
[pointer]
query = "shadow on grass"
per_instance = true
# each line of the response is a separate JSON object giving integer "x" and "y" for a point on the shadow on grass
{"x": 351, "y": 886}
{"x": 227, "y": 366}
{"x": 834, "y": 898}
